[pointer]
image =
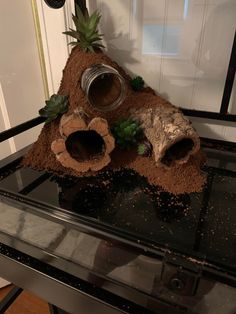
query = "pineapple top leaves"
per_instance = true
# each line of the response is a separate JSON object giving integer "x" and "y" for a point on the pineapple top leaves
{"x": 55, "y": 106}
{"x": 86, "y": 33}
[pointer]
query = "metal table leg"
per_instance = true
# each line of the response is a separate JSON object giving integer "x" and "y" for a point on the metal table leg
{"x": 9, "y": 299}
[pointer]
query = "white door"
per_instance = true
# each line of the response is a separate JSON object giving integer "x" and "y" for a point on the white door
{"x": 33, "y": 53}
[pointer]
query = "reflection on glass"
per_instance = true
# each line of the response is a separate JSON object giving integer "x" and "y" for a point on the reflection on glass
{"x": 152, "y": 40}
{"x": 181, "y": 48}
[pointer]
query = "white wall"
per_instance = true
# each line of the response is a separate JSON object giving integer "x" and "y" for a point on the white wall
{"x": 20, "y": 74}
{"x": 180, "y": 47}
{"x": 7, "y": 147}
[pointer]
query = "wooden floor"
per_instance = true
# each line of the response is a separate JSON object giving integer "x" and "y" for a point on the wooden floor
{"x": 26, "y": 303}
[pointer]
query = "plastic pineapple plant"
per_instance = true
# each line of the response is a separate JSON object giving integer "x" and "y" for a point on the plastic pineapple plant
{"x": 55, "y": 106}
{"x": 86, "y": 33}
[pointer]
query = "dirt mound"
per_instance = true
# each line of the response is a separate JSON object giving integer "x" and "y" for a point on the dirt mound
{"x": 178, "y": 179}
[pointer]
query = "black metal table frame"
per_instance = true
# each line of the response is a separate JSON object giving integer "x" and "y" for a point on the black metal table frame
{"x": 211, "y": 272}
{"x": 9, "y": 299}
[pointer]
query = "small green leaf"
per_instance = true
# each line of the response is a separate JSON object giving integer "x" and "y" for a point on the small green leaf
{"x": 79, "y": 13}
{"x": 137, "y": 83}
{"x": 94, "y": 20}
{"x": 141, "y": 149}
{"x": 72, "y": 33}
{"x": 55, "y": 106}
{"x": 127, "y": 133}
{"x": 145, "y": 148}
{"x": 75, "y": 20}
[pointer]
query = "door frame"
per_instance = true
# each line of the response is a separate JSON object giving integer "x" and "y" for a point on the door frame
{"x": 52, "y": 45}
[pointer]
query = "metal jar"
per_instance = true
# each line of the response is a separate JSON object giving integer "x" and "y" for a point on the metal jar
{"x": 105, "y": 88}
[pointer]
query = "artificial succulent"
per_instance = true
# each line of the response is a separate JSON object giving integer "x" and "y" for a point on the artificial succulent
{"x": 137, "y": 83}
{"x": 145, "y": 148}
{"x": 55, "y": 106}
{"x": 127, "y": 133}
{"x": 86, "y": 34}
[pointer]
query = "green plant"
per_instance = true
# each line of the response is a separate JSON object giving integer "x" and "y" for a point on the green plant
{"x": 55, "y": 106}
{"x": 86, "y": 33}
{"x": 145, "y": 148}
{"x": 127, "y": 133}
{"x": 137, "y": 83}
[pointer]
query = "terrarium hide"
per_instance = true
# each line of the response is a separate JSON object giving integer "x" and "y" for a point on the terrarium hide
{"x": 84, "y": 145}
{"x": 172, "y": 137}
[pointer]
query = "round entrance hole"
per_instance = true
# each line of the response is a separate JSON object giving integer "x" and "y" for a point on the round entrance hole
{"x": 85, "y": 145}
{"x": 177, "y": 151}
{"x": 104, "y": 90}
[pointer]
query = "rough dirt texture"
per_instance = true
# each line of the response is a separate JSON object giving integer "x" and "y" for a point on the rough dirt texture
{"x": 179, "y": 179}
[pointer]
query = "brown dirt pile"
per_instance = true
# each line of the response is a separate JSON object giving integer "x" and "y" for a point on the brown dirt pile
{"x": 179, "y": 179}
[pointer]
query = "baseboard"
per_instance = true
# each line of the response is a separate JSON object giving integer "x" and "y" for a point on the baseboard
{"x": 3, "y": 283}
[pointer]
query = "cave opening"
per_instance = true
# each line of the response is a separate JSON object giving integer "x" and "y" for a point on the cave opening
{"x": 105, "y": 90}
{"x": 177, "y": 151}
{"x": 85, "y": 145}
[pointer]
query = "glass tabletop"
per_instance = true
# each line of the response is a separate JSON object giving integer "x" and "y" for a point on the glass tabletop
{"x": 117, "y": 226}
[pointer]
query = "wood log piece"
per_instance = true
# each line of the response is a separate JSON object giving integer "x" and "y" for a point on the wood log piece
{"x": 172, "y": 137}
{"x": 84, "y": 145}
{"x": 71, "y": 123}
